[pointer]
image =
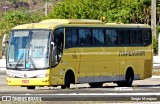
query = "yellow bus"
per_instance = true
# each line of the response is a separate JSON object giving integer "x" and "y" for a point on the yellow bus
{"x": 60, "y": 52}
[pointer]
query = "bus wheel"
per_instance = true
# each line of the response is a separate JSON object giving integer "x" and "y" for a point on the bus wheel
{"x": 129, "y": 79}
{"x": 67, "y": 83}
{"x": 95, "y": 85}
{"x": 30, "y": 87}
{"x": 121, "y": 83}
{"x": 69, "y": 78}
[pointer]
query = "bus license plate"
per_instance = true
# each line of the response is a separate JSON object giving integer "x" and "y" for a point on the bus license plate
{"x": 25, "y": 81}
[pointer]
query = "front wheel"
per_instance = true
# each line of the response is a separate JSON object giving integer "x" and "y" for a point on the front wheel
{"x": 67, "y": 83}
{"x": 31, "y": 87}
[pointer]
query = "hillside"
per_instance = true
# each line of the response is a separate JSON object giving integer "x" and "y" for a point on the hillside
{"x": 26, "y": 5}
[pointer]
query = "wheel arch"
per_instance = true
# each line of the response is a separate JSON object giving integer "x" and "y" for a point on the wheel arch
{"x": 70, "y": 73}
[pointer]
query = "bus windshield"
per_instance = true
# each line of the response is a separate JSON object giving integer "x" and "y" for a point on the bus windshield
{"x": 28, "y": 49}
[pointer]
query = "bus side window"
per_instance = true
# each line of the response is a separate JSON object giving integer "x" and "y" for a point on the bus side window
{"x": 133, "y": 37}
{"x": 98, "y": 37}
{"x": 146, "y": 36}
{"x": 139, "y": 37}
{"x": 136, "y": 37}
{"x": 71, "y": 38}
{"x": 114, "y": 37}
{"x": 68, "y": 38}
{"x": 84, "y": 37}
{"x": 111, "y": 36}
{"x": 123, "y": 37}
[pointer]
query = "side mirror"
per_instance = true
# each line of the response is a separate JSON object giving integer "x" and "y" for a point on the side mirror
{"x": 52, "y": 43}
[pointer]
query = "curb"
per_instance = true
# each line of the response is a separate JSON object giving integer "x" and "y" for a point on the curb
{"x": 155, "y": 76}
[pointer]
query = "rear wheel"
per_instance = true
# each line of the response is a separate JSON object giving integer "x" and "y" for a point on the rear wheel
{"x": 95, "y": 85}
{"x": 128, "y": 80}
{"x": 31, "y": 87}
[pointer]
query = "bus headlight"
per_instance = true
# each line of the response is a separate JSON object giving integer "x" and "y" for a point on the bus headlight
{"x": 42, "y": 75}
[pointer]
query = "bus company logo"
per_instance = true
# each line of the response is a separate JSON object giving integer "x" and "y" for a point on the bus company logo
{"x": 6, "y": 98}
{"x": 25, "y": 75}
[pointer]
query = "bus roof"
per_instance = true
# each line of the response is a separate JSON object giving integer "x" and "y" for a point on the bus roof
{"x": 35, "y": 26}
{"x": 52, "y": 23}
{"x": 127, "y": 25}
{"x": 73, "y": 21}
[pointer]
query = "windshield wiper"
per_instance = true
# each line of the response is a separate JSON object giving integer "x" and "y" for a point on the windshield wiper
{"x": 29, "y": 58}
{"x": 32, "y": 63}
{"x": 19, "y": 60}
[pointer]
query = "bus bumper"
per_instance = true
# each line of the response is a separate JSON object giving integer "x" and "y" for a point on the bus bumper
{"x": 28, "y": 81}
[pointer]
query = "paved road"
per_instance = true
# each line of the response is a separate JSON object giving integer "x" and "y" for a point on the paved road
{"x": 142, "y": 90}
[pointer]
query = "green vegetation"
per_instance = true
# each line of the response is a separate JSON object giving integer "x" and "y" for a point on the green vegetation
{"x": 11, "y": 19}
{"x": 119, "y": 11}
{"x": 125, "y": 11}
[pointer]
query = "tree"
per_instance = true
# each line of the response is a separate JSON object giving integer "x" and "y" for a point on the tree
{"x": 125, "y": 11}
{"x": 13, "y": 18}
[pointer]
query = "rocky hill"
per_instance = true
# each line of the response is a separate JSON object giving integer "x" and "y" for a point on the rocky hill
{"x": 28, "y": 5}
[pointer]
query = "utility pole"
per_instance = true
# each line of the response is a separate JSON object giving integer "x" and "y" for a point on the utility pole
{"x": 153, "y": 17}
{"x": 46, "y": 11}
{"x": 5, "y": 7}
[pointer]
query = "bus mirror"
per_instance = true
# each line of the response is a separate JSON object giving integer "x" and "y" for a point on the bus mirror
{"x": 52, "y": 43}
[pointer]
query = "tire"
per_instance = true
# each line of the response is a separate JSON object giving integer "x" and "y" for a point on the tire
{"x": 128, "y": 80}
{"x": 121, "y": 83}
{"x": 95, "y": 85}
{"x": 67, "y": 83}
{"x": 31, "y": 87}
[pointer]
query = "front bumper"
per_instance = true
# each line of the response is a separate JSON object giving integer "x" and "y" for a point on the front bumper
{"x": 28, "y": 81}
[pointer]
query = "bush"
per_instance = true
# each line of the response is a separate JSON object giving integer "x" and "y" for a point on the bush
{"x": 155, "y": 46}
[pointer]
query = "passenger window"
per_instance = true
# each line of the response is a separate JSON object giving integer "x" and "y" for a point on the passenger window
{"x": 123, "y": 37}
{"x": 133, "y": 36}
{"x": 98, "y": 36}
{"x": 136, "y": 37}
{"x": 71, "y": 38}
{"x": 139, "y": 37}
{"x": 84, "y": 37}
{"x": 111, "y": 37}
{"x": 146, "y": 36}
